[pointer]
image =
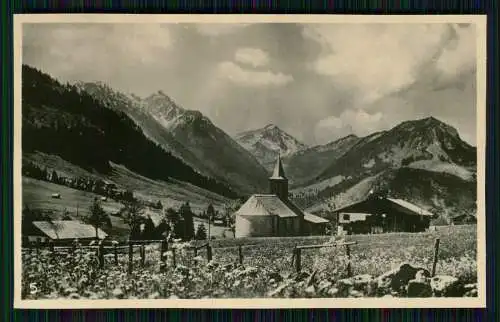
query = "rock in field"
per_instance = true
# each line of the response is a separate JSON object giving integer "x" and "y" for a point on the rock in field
{"x": 397, "y": 279}
{"x": 470, "y": 290}
{"x": 446, "y": 286}
{"x": 419, "y": 288}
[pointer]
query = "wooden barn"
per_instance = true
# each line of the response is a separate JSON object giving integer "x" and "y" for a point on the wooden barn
{"x": 273, "y": 214}
{"x": 382, "y": 214}
{"x": 464, "y": 219}
{"x": 61, "y": 232}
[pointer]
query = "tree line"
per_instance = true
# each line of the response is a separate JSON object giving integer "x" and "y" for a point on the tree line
{"x": 172, "y": 224}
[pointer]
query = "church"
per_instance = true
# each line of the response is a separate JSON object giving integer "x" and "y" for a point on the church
{"x": 273, "y": 214}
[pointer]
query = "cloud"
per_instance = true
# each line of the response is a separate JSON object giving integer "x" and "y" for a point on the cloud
{"x": 301, "y": 77}
{"x": 459, "y": 54}
{"x": 99, "y": 49}
{"x": 379, "y": 59}
{"x": 252, "y": 56}
{"x": 233, "y": 72}
{"x": 350, "y": 121}
{"x": 219, "y": 29}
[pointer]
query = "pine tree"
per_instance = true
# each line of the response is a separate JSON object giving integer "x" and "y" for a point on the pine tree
{"x": 97, "y": 217}
{"x": 173, "y": 219}
{"x": 132, "y": 215}
{"x": 187, "y": 216}
{"x": 201, "y": 232}
{"x": 55, "y": 178}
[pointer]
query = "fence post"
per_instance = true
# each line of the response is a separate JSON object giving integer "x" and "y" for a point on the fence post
{"x": 130, "y": 256}
{"x": 37, "y": 247}
{"x": 240, "y": 254}
{"x": 143, "y": 254}
{"x": 436, "y": 251}
{"x": 348, "y": 253}
{"x": 209, "y": 252}
{"x": 51, "y": 245}
{"x": 195, "y": 251}
{"x": 162, "y": 249}
{"x": 173, "y": 257}
{"x": 115, "y": 250}
{"x": 100, "y": 251}
{"x": 297, "y": 259}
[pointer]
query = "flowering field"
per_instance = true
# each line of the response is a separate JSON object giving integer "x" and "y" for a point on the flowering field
{"x": 267, "y": 268}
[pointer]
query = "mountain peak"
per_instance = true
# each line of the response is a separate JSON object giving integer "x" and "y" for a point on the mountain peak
{"x": 265, "y": 143}
{"x": 271, "y": 126}
{"x": 428, "y": 125}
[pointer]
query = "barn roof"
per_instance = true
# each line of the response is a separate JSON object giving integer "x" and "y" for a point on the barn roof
{"x": 68, "y": 229}
{"x": 400, "y": 203}
{"x": 265, "y": 205}
{"x": 411, "y": 207}
{"x": 314, "y": 219}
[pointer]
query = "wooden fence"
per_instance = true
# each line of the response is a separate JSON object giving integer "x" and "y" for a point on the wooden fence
{"x": 298, "y": 253}
{"x": 101, "y": 250}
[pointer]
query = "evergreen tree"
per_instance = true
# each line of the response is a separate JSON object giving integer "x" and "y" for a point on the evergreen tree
{"x": 201, "y": 232}
{"x": 149, "y": 230}
{"x": 97, "y": 217}
{"x": 210, "y": 212}
{"x": 175, "y": 223}
{"x": 132, "y": 215}
{"x": 187, "y": 216}
{"x": 55, "y": 178}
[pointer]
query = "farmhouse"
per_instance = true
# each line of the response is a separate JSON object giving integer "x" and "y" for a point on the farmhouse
{"x": 62, "y": 232}
{"x": 273, "y": 214}
{"x": 377, "y": 214}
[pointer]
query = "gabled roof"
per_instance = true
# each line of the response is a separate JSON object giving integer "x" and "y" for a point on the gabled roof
{"x": 411, "y": 207}
{"x": 408, "y": 207}
{"x": 265, "y": 205}
{"x": 278, "y": 172}
{"x": 68, "y": 229}
{"x": 314, "y": 219}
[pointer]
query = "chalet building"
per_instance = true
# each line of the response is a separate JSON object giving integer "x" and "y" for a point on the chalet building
{"x": 273, "y": 214}
{"x": 464, "y": 219}
{"x": 377, "y": 214}
{"x": 61, "y": 232}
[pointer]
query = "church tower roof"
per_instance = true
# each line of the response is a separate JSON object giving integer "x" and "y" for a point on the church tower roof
{"x": 278, "y": 172}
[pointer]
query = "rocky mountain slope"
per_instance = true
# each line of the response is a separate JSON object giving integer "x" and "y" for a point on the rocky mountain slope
{"x": 189, "y": 135}
{"x": 267, "y": 142}
{"x": 423, "y": 161}
{"x": 306, "y": 165}
{"x": 64, "y": 121}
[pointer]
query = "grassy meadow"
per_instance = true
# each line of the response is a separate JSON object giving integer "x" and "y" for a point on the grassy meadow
{"x": 267, "y": 267}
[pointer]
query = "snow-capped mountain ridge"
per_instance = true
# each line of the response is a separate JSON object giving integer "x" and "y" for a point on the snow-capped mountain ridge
{"x": 188, "y": 134}
{"x": 265, "y": 143}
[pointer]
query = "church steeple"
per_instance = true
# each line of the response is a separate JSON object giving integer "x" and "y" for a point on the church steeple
{"x": 278, "y": 172}
{"x": 278, "y": 183}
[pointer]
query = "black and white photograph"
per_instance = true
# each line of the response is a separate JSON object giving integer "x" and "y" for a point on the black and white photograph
{"x": 233, "y": 161}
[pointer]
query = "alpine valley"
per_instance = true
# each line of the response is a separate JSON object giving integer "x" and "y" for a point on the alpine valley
{"x": 162, "y": 151}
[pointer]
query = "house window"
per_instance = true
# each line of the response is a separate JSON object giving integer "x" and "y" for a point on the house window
{"x": 346, "y": 217}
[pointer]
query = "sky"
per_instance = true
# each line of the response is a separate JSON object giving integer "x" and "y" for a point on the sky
{"x": 318, "y": 82}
